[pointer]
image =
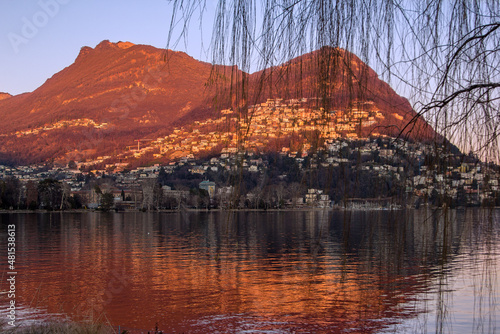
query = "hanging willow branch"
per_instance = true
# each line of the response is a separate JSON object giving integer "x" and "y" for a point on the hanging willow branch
{"x": 442, "y": 55}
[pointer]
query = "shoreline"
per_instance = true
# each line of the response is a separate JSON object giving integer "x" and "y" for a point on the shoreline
{"x": 336, "y": 208}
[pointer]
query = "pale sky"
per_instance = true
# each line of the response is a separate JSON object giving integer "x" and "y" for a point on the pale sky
{"x": 39, "y": 38}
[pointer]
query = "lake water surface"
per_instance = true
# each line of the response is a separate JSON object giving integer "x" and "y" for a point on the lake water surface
{"x": 260, "y": 272}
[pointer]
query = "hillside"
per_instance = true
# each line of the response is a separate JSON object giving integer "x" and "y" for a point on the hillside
{"x": 342, "y": 82}
{"x": 118, "y": 93}
{"x": 4, "y": 96}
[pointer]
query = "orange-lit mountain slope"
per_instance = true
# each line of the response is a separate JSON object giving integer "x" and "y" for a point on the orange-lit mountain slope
{"x": 118, "y": 93}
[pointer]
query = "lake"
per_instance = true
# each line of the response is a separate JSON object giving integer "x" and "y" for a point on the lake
{"x": 260, "y": 272}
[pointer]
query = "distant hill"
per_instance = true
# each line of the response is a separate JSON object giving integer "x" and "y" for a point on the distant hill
{"x": 118, "y": 93}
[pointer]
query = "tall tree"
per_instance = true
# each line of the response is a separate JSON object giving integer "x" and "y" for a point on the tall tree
{"x": 50, "y": 194}
{"x": 107, "y": 201}
{"x": 10, "y": 191}
{"x": 150, "y": 193}
{"x": 31, "y": 195}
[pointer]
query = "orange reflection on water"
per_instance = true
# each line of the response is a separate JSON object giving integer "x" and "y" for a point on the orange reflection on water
{"x": 288, "y": 272}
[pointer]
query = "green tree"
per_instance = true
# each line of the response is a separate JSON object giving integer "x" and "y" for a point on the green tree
{"x": 107, "y": 201}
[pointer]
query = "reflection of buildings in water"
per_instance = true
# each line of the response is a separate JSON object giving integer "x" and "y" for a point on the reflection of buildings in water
{"x": 343, "y": 267}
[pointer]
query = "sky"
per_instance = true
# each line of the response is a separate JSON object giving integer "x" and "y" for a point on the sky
{"x": 39, "y": 38}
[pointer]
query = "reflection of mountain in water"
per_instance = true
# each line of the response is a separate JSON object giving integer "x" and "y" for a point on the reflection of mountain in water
{"x": 294, "y": 271}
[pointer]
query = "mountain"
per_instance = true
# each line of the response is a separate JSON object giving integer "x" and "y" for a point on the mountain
{"x": 117, "y": 96}
{"x": 4, "y": 95}
{"x": 344, "y": 82}
{"x": 110, "y": 96}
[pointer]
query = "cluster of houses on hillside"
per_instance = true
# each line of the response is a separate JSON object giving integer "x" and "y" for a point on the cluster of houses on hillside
{"x": 391, "y": 159}
{"x": 264, "y": 122}
{"x": 62, "y": 124}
